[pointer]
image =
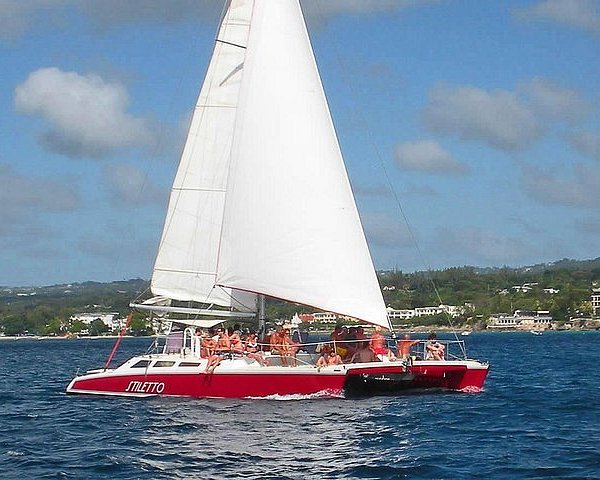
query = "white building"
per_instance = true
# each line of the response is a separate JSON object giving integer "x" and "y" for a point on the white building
{"x": 400, "y": 314}
{"x": 596, "y": 300}
{"x": 407, "y": 314}
{"x": 111, "y": 320}
{"x": 522, "y": 320}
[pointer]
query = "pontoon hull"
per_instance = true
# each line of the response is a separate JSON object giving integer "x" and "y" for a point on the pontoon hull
{"x": 349, "y": 380}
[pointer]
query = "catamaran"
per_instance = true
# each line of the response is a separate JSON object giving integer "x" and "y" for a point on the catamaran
{"x": 262, "y": 206}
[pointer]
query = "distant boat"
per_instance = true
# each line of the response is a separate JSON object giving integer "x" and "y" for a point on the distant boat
{"x": 262, "y": 206}
{"x": 465, "y": 333}
{"x": 535, "y": 332}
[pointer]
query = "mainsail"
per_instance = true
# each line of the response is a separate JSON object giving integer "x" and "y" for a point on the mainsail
{"x": 262, "y": 203}
{"x": 185, "y": 267}
{"x": 291, "y": 229}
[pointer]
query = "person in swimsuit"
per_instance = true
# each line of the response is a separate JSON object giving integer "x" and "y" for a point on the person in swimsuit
{"x": 251, "y": 349}
{"x": 338, "y": 337}
{"x": 291, "y": 347}
{"x": 435, "y": 350}
{"x": 235, "y": 342}
{"x": 405, "y": 345}
{"x": 334, "y": 359}
{"x": 364, "y": 354}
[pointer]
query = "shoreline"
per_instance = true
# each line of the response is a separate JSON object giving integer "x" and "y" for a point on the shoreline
{"x": 422, "y": 330}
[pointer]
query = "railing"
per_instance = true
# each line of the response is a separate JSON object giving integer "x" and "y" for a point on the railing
{"x": 187, "y": 343}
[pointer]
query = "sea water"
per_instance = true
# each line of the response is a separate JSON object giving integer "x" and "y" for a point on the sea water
{"x": 538, "y": 417}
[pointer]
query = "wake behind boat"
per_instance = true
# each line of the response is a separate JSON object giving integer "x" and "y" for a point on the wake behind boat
{"x": 236, "y": 230}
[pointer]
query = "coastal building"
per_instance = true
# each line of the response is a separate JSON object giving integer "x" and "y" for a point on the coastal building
{"x": 393, "y": 314}
{"x": 596, "y": 300}
{"x": 111, "y": 320}
{"x": 521, "y": 320}
{"x": 406, "y": 314}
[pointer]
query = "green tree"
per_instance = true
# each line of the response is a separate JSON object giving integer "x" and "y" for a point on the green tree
{"x": 138, "y": 326}
{"x": 97, "y": 327}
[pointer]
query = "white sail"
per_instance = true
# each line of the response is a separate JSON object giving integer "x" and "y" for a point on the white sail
{"x": 291, "y": 228}
{"x": 185, "y": 267}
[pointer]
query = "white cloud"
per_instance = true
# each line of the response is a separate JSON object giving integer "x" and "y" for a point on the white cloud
{"x": 427, "y": 156}
{"x": 497, "y": 118}
{"x": 129, "y": 185}
{"x": 555, "y": 102}
{"x": 107, "y": 13}
{"x": 27, "y": 205}
{"x": 483, "y": 248}
{"x": 586, "y": 143}
{"x": 319, "y": 9}
{"x": 16, "y": 15}
{"x": 385, "y": 231}
{"x": 85, "y": 115}
{"x": 21, "y": 195}
{"x": 590, "y": 226}
{"x": 582, "y": 14}
{"x": 581, "y": 189}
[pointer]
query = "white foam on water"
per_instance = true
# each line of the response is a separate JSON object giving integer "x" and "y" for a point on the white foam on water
{"x": 328, "y": 393}
{"x": 471, "y": 389}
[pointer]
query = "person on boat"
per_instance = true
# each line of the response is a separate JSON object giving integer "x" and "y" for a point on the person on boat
{"x": 223, "y": 343}
{"x": 338, "y": 337}
{"x": 364, "y": 354}
{"x": 378, "y": 342}
{"x": 235, "y": 340}
{"x": 351, "y": 343}
{"x": 209, "y": 346}
{"x": 279, "y": 347}
{"x": 360, "y": 333}
{"x": 251, "y": 349}
{"x": 405, "y": 345}
{"x": 435, "y": 350}
{"x": 334, "y": 359}
{"x": 292, "y": 347}
{"x": 322, "y": 360}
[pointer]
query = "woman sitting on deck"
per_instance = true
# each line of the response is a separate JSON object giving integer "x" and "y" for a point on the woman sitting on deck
{"x": 251, "y": 349}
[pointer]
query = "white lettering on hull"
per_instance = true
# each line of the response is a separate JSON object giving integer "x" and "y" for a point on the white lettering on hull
{"x": 136, "y": 386}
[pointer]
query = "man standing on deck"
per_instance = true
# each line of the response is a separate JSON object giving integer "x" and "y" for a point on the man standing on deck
{"x": 405, "y": 345}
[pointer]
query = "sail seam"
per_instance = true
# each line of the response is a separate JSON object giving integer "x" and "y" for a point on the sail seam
{"x": 190, "y": 189}
{"x": 215, "y": 106}
{"x": 173, "y": 270}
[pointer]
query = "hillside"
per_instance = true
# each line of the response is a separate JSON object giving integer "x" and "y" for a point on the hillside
{"x": 490, "y": 290}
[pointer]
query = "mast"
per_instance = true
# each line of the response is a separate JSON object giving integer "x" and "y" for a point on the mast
{"x": 262, "y": 317}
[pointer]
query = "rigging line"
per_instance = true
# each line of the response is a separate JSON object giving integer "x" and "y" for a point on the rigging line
{"x": 388, "y": 179}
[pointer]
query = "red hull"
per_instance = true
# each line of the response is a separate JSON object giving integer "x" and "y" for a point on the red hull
{"x": 217, "y": 385}
{"x": 356, "y": 379}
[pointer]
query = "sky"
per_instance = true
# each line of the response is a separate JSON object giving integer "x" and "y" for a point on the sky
{"x": 470, "y": 129}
